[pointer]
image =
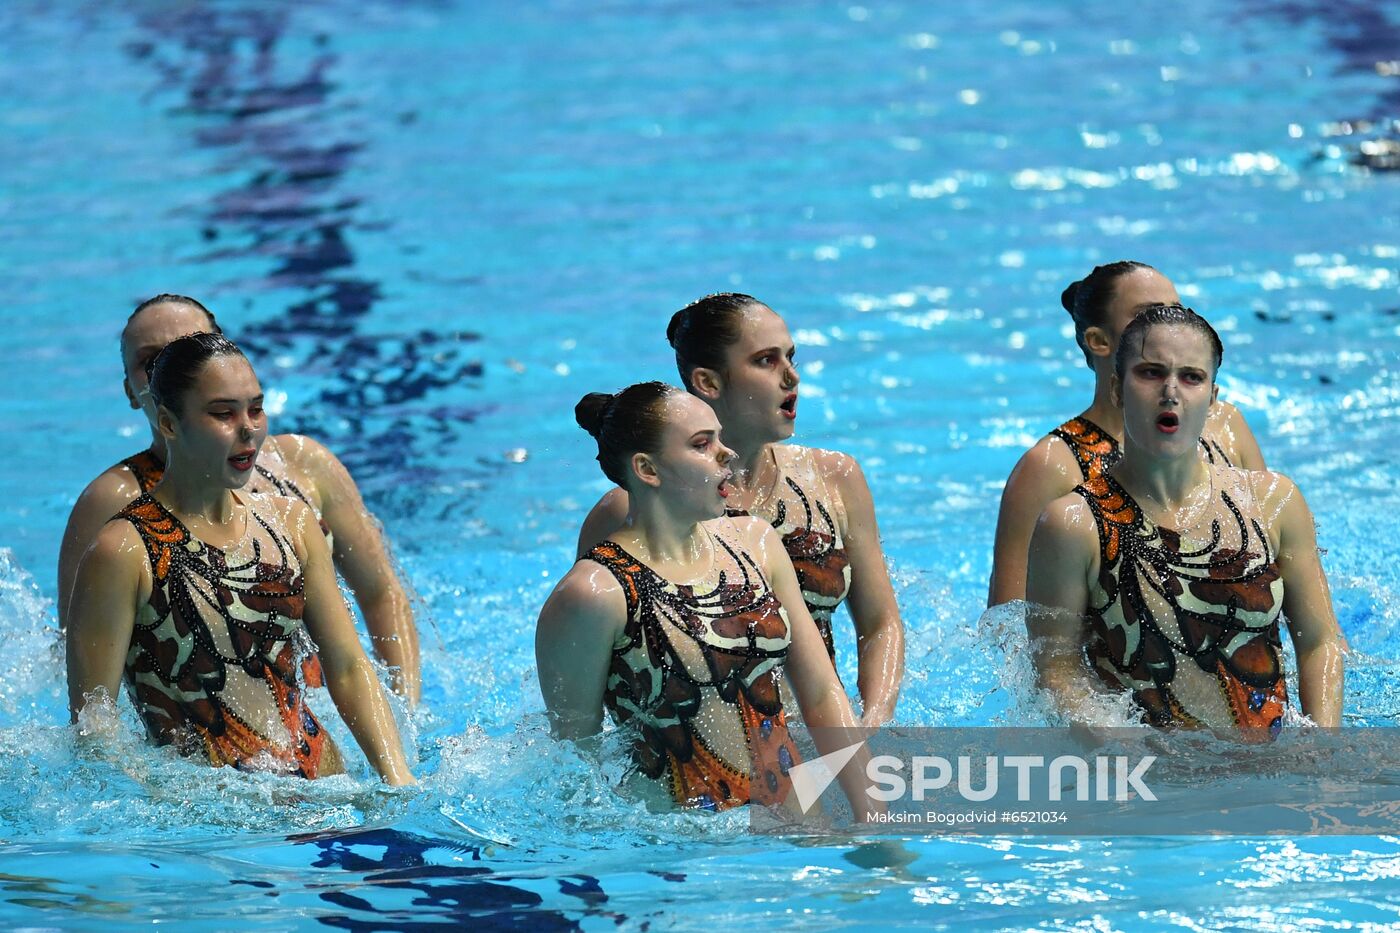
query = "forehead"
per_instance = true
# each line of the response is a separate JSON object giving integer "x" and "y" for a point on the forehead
{"x": 226, "y": 377}
{"x": 1144, "y": 286}
{"x": 686, "y": 414}
{"x": 159, "y": 324}
{"x": 761, "y": 327}
{"x": 1178, "y": 345}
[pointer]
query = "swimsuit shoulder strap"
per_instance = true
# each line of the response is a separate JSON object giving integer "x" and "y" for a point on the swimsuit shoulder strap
{"x": 146, "y": 467}
{"x": 161, "y": 532}
{"x": 1094, "y": 449}
{"x": 1214, "y": 452}
{"x": 1115, "y": 513}
{"x": 630, "y": 573}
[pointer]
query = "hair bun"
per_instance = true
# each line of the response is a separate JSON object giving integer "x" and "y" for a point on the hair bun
{"x": 590, "y": 410}
{"x": 1069, "y": 294}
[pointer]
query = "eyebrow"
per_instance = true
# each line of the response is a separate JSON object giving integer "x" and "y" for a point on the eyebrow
{"x": 232, "y": 401}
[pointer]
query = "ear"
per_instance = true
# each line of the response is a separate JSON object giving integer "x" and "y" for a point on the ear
{"x": 166, "y": 423}
{"x": 706, "y": 383}
{"x": 130, "y": 395}
{"x": 644, "y": 468}
{"x": 1115, "y": 390}
{"x": 1098, "y": 342}
{"x": 1214, "y": 392}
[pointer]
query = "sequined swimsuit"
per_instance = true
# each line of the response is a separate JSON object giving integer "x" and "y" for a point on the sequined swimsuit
{"x": 698, "y": 674}
{"x": 1096, "y": 451}
{"x": 150, "y": 469}
{"x": 801, "y": 510}
{"x": 214, "y": 653}
{"x": 1158, "y": 608}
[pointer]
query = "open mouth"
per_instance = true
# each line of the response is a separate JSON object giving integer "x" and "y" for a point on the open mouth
{"x": 724, "y": 485}
{"x": 243, "y": 461}
{"x": 789, "y": 406}
{"x": 1167, "y": 422}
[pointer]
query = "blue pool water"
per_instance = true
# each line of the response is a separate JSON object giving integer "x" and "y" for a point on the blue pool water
{"x": 436, "y": 224}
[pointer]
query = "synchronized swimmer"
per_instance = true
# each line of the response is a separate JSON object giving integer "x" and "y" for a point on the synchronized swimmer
{"x": 1155, "y": 554}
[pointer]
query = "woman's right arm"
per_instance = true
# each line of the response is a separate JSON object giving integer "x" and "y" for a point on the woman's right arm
{"x": 102, "y": 613}
{"x": 104, "y": 497}
{"x": 573, "y": 648}
{"x": 1040, "y": 477}
{"x": 1057, "y": 594}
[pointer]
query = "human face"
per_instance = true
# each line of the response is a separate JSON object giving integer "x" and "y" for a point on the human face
{"x": 146, "y": 336}
{"x": 691, "y": 466}
{"x": 758, "y": 396}
{"x": 221, "y": 425}
{"x": 1131, "y": 293}
{"x": 1167, "y": 390}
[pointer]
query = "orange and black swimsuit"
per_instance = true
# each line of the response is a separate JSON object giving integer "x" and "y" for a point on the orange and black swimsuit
{"x": 150, "y": 469}
{"x": 800, "y": 509}
{"x": 699, "y": 676}
{"x": 1097, "y": 451}
{"x": 1157, "y": 607}
{"x": 216, "y": 649}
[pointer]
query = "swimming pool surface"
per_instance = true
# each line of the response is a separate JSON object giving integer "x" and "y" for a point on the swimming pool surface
{"x": 435, "y": 225}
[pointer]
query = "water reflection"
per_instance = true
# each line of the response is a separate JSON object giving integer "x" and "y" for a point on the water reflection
{"x": 268, "y": 107}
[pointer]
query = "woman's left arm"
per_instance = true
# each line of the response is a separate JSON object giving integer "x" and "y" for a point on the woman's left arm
{"x": 349, "y": 674}
{"x": 1307, "y": 605}
{"x": 879, "y": 628}
{"x": 363, "y": 561}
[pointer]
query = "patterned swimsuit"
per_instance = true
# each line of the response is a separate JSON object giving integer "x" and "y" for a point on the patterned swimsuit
{"x": 215, "y": 652}
{"x": 150, "y": 469}
{"x": 699, "y": 676}
{"x": 1158, "y": 609}
{"x": 801, "y": 510}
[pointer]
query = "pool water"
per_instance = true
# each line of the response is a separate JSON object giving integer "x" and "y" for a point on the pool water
{"x": 437, "y": 224}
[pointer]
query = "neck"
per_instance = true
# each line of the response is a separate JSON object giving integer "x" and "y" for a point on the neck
{"x": 1103, "y": 412}
{"x": 190, "y": 495}
{"x": 157, "y": 446}
{"x": 1168, "y": 483}
{"x": 751, "y": 460}
{"x": 664, "y": 536}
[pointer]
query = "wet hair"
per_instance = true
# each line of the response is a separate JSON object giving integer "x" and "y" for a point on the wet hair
{"x": 702, "y": 330}
{"x": 1135, "y": 334}
{"x": 174, "y": 370}
{"x": 1088, "y": 299}
{"x": 628, "y": 422}
{"x": 168, "y": 299}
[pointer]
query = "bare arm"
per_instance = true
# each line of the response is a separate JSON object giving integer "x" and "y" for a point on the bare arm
{"x": 1228, "y": 427}
{"x": 348, "y": 672}
{"x": 607, "y": 517}
{"x": 824, "y": 704}
{"x": 1043, "y": 474}
{"x": 1307, "y": 605}
{"x": 1057, "y": 590}
{"x": 879, "y": 628}
{"x": 104, "y": 497}
{"x": 362, "y": 559}
{"x": 111, "y": 580}
{"x": 573, "y": 648}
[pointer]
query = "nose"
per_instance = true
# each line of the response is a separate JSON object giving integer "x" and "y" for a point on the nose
{"x": 725, "y": 455}
{"x": 790, "y": 377}
{"x": 1170, "y": 391}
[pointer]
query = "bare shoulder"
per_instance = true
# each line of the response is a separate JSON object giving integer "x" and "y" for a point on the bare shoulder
{"x": 308, "y": 456}
{"x": 108, "y": 494}
{"x": 606, "y": 517}
{"x": 117, "y": 545}
{"x": 841, "y": 470}
{"x": 752, "y": 532}
{"x": 1272, "y": 490}
{"x": 1066, "y": 519}
{"x": 589, "y": 595}
{"x": 1045, "y": 472}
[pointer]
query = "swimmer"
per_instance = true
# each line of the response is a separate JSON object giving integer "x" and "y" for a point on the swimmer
{"x": 735, "y": 353}
{"x": 288, "y": 465}
{"x": 681, "y": 623}
{"x": 1101, "y": 305}
{"x": 1169, "y": 571}
{"x": 205, "y": 598}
